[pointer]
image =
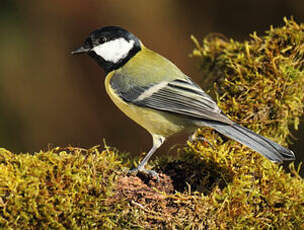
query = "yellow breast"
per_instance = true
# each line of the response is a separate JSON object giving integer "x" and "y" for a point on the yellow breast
{"x": 155, "y": 122}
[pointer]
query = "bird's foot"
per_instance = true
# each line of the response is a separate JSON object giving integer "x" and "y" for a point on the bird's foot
{"x": 146, "y": 172}
{"x": 194, "y": 137}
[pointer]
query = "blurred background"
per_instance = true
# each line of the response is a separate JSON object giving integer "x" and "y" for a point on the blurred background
{"x": 48, "y": 96}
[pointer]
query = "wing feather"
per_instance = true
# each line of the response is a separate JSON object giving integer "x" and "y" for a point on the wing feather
{"x": 180, "y": 96}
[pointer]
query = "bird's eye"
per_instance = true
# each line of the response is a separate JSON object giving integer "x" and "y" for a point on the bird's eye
{"x": 102, "y": 40}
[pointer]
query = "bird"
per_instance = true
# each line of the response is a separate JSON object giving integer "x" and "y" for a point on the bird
{"x": 158, "y": 96}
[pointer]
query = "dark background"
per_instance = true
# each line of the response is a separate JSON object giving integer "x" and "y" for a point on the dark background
{"x": 48, "y": 96}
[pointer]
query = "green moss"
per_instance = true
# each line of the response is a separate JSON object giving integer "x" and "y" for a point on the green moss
{"x": 57, "y": 188}
{"x": 258, "y": 83}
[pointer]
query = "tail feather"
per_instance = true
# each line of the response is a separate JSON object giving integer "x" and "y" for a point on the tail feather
{"x": 262, "y": 145}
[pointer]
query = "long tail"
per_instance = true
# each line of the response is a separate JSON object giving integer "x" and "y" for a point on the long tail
{"x": 262, "y": 145}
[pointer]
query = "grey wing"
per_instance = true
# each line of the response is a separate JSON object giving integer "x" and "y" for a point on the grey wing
{"x": 180, "y": 96}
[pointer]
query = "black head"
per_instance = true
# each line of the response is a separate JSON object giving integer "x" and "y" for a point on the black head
{"x": 111, "y": 47}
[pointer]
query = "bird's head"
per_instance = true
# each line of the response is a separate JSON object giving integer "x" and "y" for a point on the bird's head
{"x": 111, "y": 47}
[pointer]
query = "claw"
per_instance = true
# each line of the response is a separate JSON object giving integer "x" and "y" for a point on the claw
{"x": 194, "y": 137}
{"x": 150, "y": 173}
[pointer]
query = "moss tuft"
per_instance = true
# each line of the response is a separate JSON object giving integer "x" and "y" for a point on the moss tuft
{"x": 258, "y": 83}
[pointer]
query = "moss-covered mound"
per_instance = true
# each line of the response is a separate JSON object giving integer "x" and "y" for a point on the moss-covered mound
{"x": 258, "y": 83}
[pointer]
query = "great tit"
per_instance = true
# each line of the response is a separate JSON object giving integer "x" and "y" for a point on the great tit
{"x": 158, "y": 96}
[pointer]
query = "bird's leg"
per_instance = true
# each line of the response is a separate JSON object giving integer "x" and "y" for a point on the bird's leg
{"x": 195, "y": 137}
{"x": 157, "y": 142}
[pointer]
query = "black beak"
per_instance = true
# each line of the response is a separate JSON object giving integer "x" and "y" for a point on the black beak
{"x": 80, "y": 50}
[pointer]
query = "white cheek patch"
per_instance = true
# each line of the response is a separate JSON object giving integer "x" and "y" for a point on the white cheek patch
{"x": 114, "y": 50}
